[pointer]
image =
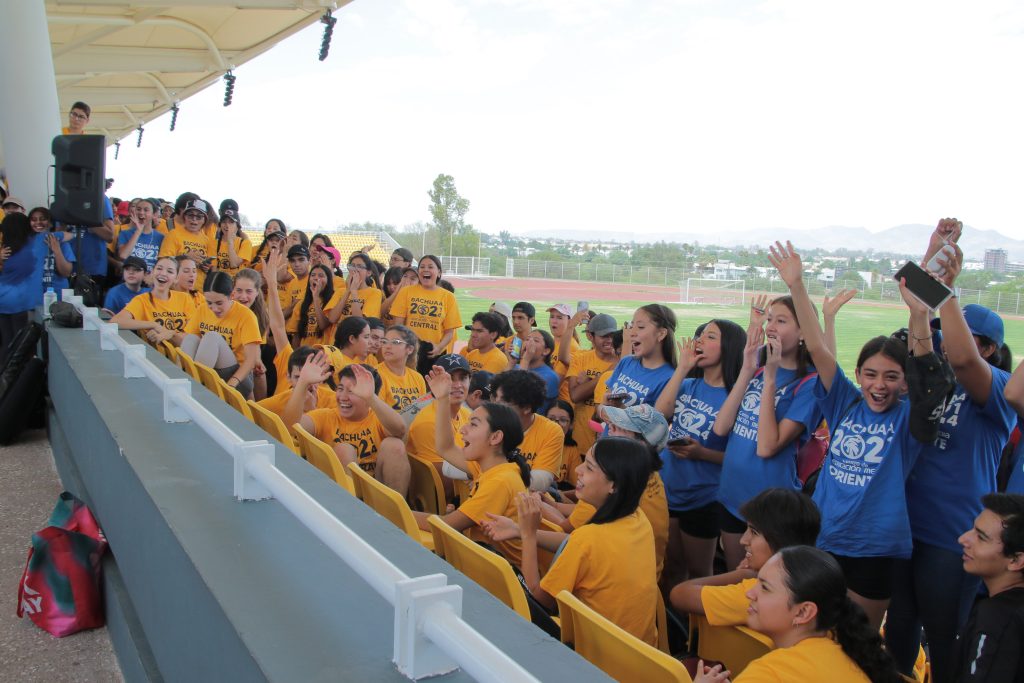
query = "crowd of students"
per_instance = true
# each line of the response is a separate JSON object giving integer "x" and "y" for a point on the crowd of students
{"x": 668, "y": 460}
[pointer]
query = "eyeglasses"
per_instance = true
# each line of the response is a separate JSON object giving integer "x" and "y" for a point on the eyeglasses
{"x": 78, "y": 116}
{"x": 393, "y": 342}
{"x": 561, "y": 420}
{"x": 356, "y": 266}
{"x": 195, "y": 216}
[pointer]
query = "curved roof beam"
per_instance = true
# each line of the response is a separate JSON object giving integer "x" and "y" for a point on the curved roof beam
{"x": 120, "y": 22}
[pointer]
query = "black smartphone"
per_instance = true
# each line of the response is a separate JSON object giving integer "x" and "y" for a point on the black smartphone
{"x": 681, "y": 441}
{"x": 923, "y": 286}
{"x": 622, "y": 396}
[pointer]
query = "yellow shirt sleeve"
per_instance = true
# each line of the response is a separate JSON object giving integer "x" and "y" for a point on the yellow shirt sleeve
{"x": 542, "y": 445}
{"x": 581, "y": 514}
{"x": 727, "y": 605}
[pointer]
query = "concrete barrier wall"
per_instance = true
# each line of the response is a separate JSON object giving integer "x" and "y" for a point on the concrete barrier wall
{"x": 207, "y": 588}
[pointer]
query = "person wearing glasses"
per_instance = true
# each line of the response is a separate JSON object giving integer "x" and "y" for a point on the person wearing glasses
{"x": 77, "y": 119}
{"x": 402, "y": 384}
{"x": 192, "y": 240}
{"x": 362, "y": 297}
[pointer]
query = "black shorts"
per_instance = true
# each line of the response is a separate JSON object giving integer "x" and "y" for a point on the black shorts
{"x": 699, "y": 522}
{"x": 869, "y": 577}
{"x": 728, "y": 522}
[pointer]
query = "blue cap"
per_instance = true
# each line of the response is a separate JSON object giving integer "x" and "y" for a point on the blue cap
{"x": 984, "y": 322}
{"x": 642, "y": 419}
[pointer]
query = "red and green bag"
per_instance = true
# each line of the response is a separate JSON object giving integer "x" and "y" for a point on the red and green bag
{"x": 60, "y": 588}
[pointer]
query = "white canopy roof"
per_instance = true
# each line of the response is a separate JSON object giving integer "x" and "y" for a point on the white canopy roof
{"x": 132, "y": 61}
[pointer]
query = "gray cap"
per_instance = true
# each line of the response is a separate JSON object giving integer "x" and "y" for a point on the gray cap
{"x": 602, "y": 324}
{"x": 642, "y": 419}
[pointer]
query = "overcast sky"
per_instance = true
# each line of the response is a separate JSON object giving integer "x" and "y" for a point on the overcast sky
{"x": 617, "y": 115}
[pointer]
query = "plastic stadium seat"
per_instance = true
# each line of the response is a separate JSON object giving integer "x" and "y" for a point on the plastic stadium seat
{"x": 188, "y": 365}
{"x": 167, "y": 349}
{"x": 271, "y": 423}
{"x": 210, "y": 379}
{"x": 234, "y": 398}
{"x": 426, "y": 492}
{"x": 388, "y": 504}
{"x": 322, "y": 457}
{"x": 735, "y": 646}
{"x": 490, "y": 570}
{"x": 619, "y": 654}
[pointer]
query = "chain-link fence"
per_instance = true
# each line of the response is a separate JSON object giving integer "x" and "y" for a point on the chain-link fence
{"x": 466, "y": 265}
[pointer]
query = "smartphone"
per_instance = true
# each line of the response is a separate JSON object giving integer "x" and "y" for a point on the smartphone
{"x": 681, "y": 441}
{"x": 582, "y": 306}
{"x": 923, "y": 286}
{"x": 934, "y": 265}
{"x": 622, "y": 396}
{"x": 517, "y": 348}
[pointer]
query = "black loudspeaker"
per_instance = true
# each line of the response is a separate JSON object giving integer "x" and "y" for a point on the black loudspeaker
{"x": 80, "y": 162}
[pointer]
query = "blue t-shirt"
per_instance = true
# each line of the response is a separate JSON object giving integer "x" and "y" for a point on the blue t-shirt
{"x": 119, "y": 296}
{"x": 860, "y": 490}
{"x": 21, "y": 275}
{"x": 1016, "y": 482}
{"x": 744, "y": 474}
{"x": 147, "y": 247}
{"x": 946, "y": 485}
{"x": 641, "y": 384}
{"x": 51, "y": 278}
{"x": 551, "y": 383}
{"x": 93, "y": 249}
{"x": 691, "y": 484}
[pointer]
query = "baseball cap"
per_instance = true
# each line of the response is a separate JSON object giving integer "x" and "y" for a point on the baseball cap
{"x": 502, "y": 308}
{"x": 526, "y": 308}
{"x": 277, "y": 234}
{"x": 453, "y": 363}
{"x": 602, "y": 325}
{"x": 14, "y": 200}
{"x": 562, "y": 308}
{"x": 197, "y": 205}
{"x": 298, "y": 250}
{"x": 334, "y": 356}
{"x": 334, "y": 253}
{"x": 642, "y": 419}
{"x": 122, "y": 208}
{"x": 229, "y": 205}
{"x": 135, "y": 262}
{"x": 481, "y": 381}
{"x": 982, "y": 321}
{"x": 406, "y": 254}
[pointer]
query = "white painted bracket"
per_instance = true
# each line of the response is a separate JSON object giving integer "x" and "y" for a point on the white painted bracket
{"x": 176, "y": 391}
{"x": 134, "y": 355}
{"x": 415, "y": 655}
{"x": 246, "y": 486}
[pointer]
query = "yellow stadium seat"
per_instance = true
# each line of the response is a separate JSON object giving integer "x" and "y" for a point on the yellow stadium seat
{"x": 188, "y": 365}
{"x": 210, "y": 379}
{"x": 426, "y": 492}
{"x": 167, "y": 349}
{"x": 322, "y": 457}
{"x": 389, "y": 504}
{"x": 619, "y": 654}
{"x": 735, "y": 646}
{"x": 271, "y": 423}
{"x": 490, "y": 570}
{"x": 462, "y": 489}
{"x": 235, "y": 399}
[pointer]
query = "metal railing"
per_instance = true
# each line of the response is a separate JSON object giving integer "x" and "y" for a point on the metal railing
{"x": 430, "y": 636}
{"x": 466, "y": 265}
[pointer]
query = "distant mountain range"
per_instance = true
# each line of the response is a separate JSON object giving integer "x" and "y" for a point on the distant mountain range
{"x": 902, "y": 239}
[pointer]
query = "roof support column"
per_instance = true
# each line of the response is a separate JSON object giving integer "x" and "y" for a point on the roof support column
{"x": 29, "y": 110}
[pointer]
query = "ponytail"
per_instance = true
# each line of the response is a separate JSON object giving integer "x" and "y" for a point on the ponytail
{"x": 518, "y": 458}
{"x": 812, "y": 575}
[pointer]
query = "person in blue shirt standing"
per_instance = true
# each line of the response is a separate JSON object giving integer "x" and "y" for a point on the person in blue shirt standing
{"x": 945, "y": 488}
{"x": 537, "y": 359}
{"x": 648, "y": 358}
{"x": 21, "y": 271}
{"x": 92, "y": 252}
{"x": 708, "y": 367}
{"x": 58, "y": 258}
{"x": 139, "y": 238}
{"x": 1014, "y": 393}
{"x": 767, "y": 416}
{"x": 873, "y": 447}
{"x": 134, "y": 272}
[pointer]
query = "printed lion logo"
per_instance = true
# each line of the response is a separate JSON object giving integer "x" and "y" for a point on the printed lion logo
{"x": 852, "y": 447}
{"x": 691, "y": 421}
{"x": 752, "y": 401}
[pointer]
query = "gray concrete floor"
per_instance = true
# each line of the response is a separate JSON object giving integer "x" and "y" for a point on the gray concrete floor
{"x": 28, "y": 491}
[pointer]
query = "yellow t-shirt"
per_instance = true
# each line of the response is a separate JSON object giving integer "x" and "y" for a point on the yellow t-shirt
{"x": 495, "y": 491}
{"x": 610, "y": 567}
{"x": 571, "y": 459}
{"x": 422, "y": 440}
{"x": 325, "y": 398}
{"x": 428, "y": 313}
{"x": 542, "y": 445}
{"x": 243, "y": 250}
{"x": 172, "y": 313}
{"x": 401, "y": 391}
{"x": 492, "y": 361}
{"x": 727, "y": 605}
{"x": 365, "y": 436}
{"x": 180, "y": 241}
{"x": 369, "y": 298}
{"x": 292, "y": 292}
{"x": 562, "y": 370}
{"x": 812, "y": 660}
{"x": 654, "y": 505}
{"x": 586, "y": 365}
{"x": 238, "y": 327}
{"x": 161, "y": 227}
{"x": 311, "y": 335}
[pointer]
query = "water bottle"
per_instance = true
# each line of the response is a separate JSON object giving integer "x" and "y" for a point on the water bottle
{"x": 48, "y": 298}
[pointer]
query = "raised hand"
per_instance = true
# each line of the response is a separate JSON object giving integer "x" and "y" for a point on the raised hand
{"x": 528, "y": 511}
{"x": 831, "y": 305}
{"x": 916, "y": 306}
{"x": 687, "y": 353}
{"x": 952, "y": 265}
{"x": 758, "y": 309}
{"x": 947, "y": 231}
{"x": 498, "y": 528}
{"x": 711, "y": 674}
{"x": 773, "y": 356}
{"x": 752, "y": 351}
{"x": 579, "y": 318}
{"x": 440, "y": 382}
{"x": 316, "y": 369}
{"x": 364, "y": 385}
{"x": 787, "y": 261}
{"x": 316, "y": 286}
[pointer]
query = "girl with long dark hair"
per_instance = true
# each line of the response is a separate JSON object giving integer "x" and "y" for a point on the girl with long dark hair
{"x": 428, "y": 310}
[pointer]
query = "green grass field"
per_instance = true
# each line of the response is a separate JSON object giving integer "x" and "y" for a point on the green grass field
{"x": 856, "y": 324}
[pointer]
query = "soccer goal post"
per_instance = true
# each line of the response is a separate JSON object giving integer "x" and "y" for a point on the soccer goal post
{"x": 702, "y": 290}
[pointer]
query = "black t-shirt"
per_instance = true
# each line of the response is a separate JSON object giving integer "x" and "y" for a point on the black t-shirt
{"x": 992, "y": 641}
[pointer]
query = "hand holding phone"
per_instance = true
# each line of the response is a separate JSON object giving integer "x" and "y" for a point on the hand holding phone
{"x": 923, "y": 286}
{"x": 517, "y": 348}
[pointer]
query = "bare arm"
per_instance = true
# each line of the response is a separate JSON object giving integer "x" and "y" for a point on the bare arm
{"x": 275, "y": 315}
{"x": 440, "y": 383}
{"x": 731, "y": 406}
{"x": 666, "y": 403}
{"x": 125, "y": 250}
{"x": 971, "y": 369}
{"x": 1014, "y": 390}
{"x": 829, "y": 310}
{"x": 685, "y": 597}
{"x": 581, "y": 389}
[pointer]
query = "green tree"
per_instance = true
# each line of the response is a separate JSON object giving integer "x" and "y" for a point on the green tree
{"x": 448, "y": 211}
